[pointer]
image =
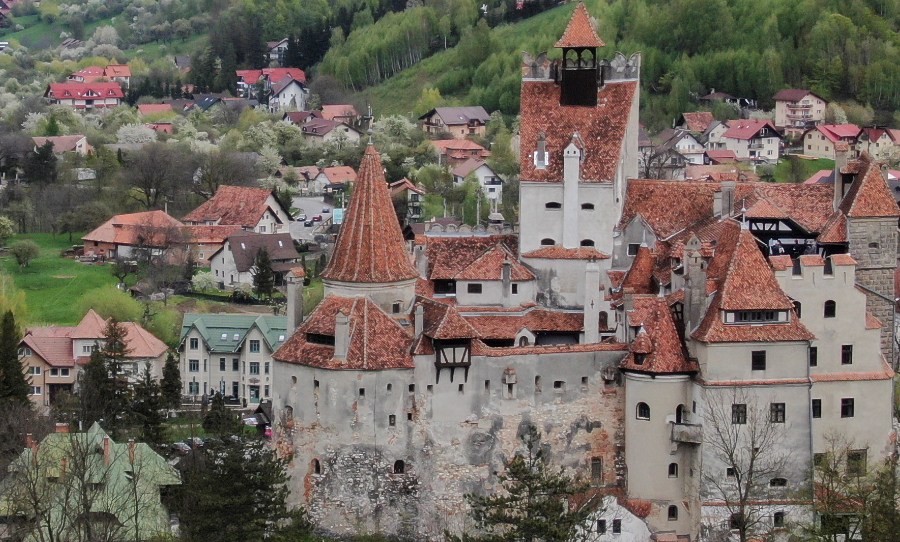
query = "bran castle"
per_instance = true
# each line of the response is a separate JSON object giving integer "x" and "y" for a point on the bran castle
{"x": 630, "y": 321}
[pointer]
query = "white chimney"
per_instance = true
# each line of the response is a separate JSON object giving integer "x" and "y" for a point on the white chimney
{"x": 294, "y": 301}
{"x": 591, "y": 302}
{"x": 341, "y": 335}
{"x": 570, "y": 207}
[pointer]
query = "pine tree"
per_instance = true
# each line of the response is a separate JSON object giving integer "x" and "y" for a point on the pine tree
{"x": 95, "y": 390}
{"x": 534, "y": 503}
{"x": 146, "y": 408}
{"x": 263, "y": 276}
{"x": 13, "y": 383}
{"x": 171, "y": 383}
{"x": 219, "y": 420}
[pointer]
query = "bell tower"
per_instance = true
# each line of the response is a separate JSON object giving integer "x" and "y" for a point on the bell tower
{"x": 579, "y": 72}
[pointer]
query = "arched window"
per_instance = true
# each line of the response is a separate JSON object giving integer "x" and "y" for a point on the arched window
{"x": 587, "y": 206}
{"x": 604, "y": 320}
{"x": 523, "y": 341}
{"x": 316, "y": 466}
{"x": 778, "y": 482}
{"x": 673, "y": 513}
{"x": 553, "y": 205}
{"x": 679, "y": 414}
{"x": 798, "y": 308}
{"x": 288, "y": 412}
{"x": 673, "y": 470}
{"x": 547, "y": 242}
{"x": 643, "y": 411}
{"x": 399, "y": 466}
{"x": 537, "y": 384}
{"x": 830, "y": 309}
{"x": 587, "y": 242}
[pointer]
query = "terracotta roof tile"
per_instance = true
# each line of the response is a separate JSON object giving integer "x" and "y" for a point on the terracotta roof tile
{"x": 149, "y": 109}
{"x": 489, "y": 266}
{"x": 712, "y": 330}
{"x": 506, "y": 326}
{"x": 211, "y": 234}
{"x": 448, "y": 256}
{"x": 84, "y": 91}
{"x": 835, "y": 230}
{"x": 60, "y": 144}
{"x": 812, "y": 260}
{"x": 141, "y": 343}
{"x": 442, "y": 321}
{"x": 843, "y": 259}
{"x": 698, "y": 121}
{"x": 376, "y": 340}
{"x": 91, "y": 326}
{"x": 601, "y": 128}
{"x": 561, "y": 253}
{"x": 580, "y": 31}
{"x": 153, "y": 228}
{"x": 869, "y": 195}
{"x": 658, "y": 341}
{"x": 839, "y": 132}
{"x": 872, "y": 322}
{"x": 749, "y": 282}
{"x": 232, "y": 205}
{"x": 639, "y": 277}
{"x": 781, "y": 262}
{"x": 370, "y": 247}
{"x": 338, "y": 110}
{"x": 480, "y": 349}
{"x": 748, "y": 129}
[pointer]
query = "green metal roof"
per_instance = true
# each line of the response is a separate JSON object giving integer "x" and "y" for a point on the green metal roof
{"x": 224, "y": 332}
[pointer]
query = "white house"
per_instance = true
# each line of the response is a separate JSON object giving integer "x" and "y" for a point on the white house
{"x": 752, "y": 139}
{"x": 288, "y": 94}
{"x": 234, "y": 263}
{"x": 320, "y": 131}
{"x": 491, "y": 183}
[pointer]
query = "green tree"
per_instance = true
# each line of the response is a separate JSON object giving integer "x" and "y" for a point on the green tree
{"x": 219, "y": 420}
{"x": 13, "y": 383}
{"x": 40, "y": 165}
{"x": 24, "y": 252}
{"x": 171, "y": 383}
{"x": 52, "y": 128}
{"x": 242, "y": 476}
{"x": 146, "y": 408}
{"x": 7, "y": 229}
{"x": 535, "y": 500}
{"x": 96, "y": 391}
{"x": 263, "y": 276}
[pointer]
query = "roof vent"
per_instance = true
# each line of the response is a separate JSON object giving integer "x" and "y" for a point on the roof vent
{"x": 224, "y": 336}
{"x": 237, "y": 336}
{"x": 281, "y": 337}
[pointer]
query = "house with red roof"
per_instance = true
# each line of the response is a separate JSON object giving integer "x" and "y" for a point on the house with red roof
{"x": 249, "y": 80}
{"x": 879, "y": 143}
{"x": 820, "y": 141}
{"x": 752, "y": 139}
{"x": 154, "y": 109}
{"x": 696, "y": 121}
{"x": 298, "y": 118}
{"x": 119, "y": 73}
{"x": 490, "y": 182}
{"x": 253, "y": 209}
{"x": 53, "y": 356}
{"x": 126, "y": 235}
{"x": 333, "y": 178}
{"x": 413, "y": 195}
{"x": 453, "y": 152}
{"x": 345, "y": 113}
{"x": 798, "y": 109}
{"x": 65, "y": 144}
{"x": 288, "y": 94}
{"x": 82, "y": 96}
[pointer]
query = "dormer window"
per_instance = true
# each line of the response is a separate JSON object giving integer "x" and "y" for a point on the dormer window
{"x": 541, "y": 157}
{"x": 756, "y": 317}
{"x": 639, "y": 358}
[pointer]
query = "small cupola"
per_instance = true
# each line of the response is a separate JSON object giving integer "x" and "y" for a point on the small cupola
{"x": 641, "y": 346}
{"x": 579, "y": 74}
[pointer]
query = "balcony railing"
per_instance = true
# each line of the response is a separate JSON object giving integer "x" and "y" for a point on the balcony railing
{"x": 687, "y": 433}
{"x": 798, "y": 105}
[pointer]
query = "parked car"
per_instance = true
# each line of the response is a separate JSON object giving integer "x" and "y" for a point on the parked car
{"x": 309, "y": 223}
{"x": 325, "y": 210}
{"x": 317, "y": 218}
{"x": 301, "y": 217}
{"x": 181, "y": 448}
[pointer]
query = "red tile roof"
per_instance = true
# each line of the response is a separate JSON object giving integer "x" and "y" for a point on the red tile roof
{"x": 837, "y": 132}
{"x": 580, "y": 31}
{"x": 232, "y": 205}
{"x": 698, "y": 121}
{"x": 442, "y": 321}
{"x": 84, "y": 91}
{"x": 340, "y": 174}
{"x": 448, "y": 256}
{"x": 557, "y": 252}
{"x": 370, "y": 246}
{"x": 843, "y": 259}
{"x": 272, "y": 74}
{"x": 659, "y": 341}
{"x": 151, "y": 228}
{"x": 53, "y": 345}
{"x": 301, "y": 117}
{"x": 92, "y": 326}
{"x": 869, "y": 195}
{"x": 721, "y": 156}
{"x": 376, "y": 341}
{"x": 489, "y": 266}
{"x": 331, "y": 112}
{"x": 748, "y": 128}
{"x": 506, "y": 326}
{"x": 480, "y": 349}
{"x": 601, "y": 128}
{"x": 403, "y": 185}
{"x": 60, "y": 144}
{"x": 148, "y": 109}
{"x": 117, "y": 70}
{"x": 211, "y": 234}
{"x": 792, "y": 95}
{"x": 639, "y": 277}
{"x": 835, "y": 230}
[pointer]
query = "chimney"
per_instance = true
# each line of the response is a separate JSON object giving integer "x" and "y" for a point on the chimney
{"x": 841, "y": 158}
{"x": 62, "y": 428}
{"x": 506, "y": 279}
{"x": 294, "y": 300}
{"x": 591, "y": 302}
{"x": 341, "y": 335}
{"x": 728, "y": 197}
{"x": 570, "y": 206}
{"x": 131, "y": 447}
{"x": 421, "y": 260}
{"x": 717, "y": 203}
{"x": 694, "y": 285}
{"x": 419, "y": 320}
{"x": 106, "y": 450}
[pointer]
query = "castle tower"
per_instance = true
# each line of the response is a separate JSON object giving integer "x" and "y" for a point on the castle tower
{"x": 370, "y": 258}
{"x": 579, "y": 72}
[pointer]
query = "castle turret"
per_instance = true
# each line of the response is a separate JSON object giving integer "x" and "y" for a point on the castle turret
{"x": 579, "y": 74}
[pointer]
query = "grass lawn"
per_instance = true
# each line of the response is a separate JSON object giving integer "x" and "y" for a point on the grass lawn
{"x": 792, "y": 169}
{"x": 52, "y": 284}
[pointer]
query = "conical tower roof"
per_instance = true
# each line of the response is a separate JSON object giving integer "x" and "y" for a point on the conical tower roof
{"x": 370, "y": 246}
{"x": 580, "y": 32}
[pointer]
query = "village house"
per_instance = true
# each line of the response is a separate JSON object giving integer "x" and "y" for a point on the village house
{"x": 253, "y": 209}
{"x": 119, "y": 73}
{"x": 820, "y": 140}
{"x": 460, "y": 122}
{"x": 230, "y": 354}
{"x": 752, "y": 139}
{"x": 453, "y": 152}
{"x": 321, "y": 131}
{"x": 234, "y": 264}
{"x": 345, "y": 113}
{"x": 797, "y": 109}
{"x": 89, "y": 476}
{"x": 207, "y": 240}
{"x": 131, "y": 235}
{"x": 299, "y": 118}
{"x": 155, "y": 109}
{"x": 653, "y": 309}
{"x": 77, "y": 144}
{"x": 684, "y": 142}
{"x": 82, "y": 96}
{"x": 413, "y": 196}
{"x": 250, "y": 82}
{"x": 880, "y": 143}
{"x": 277, "y": 51}
{"x": 333, "y": 178}
{"x": 695, "y": 122}
{"x": 53, "y": 356}
{"x": 491, "y": 184}
{"x": 288, "y": 94}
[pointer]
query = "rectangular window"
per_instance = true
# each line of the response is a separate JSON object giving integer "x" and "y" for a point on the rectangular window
{"x": 221, "y": 364}
{"x": 515, "y": 288}
{"x": 813, "y": 356}
{"x": 847, "y": 407}
{"x": 776, "y": 412}
{"x": 195, "y": 343}
{"x": 818, "y": 459}
{"x": 254, "y": 346}
{"x": 601, "y": 526}
{"x": 816, "y": 408}
{"x": 235, "y": 364}
{"x": 596, "y": 468}
{"x": 254, "y": 367}
{"x": 473, "y": 288}
{"x": 729, "y": 472}
{"x": 35, "y": 390}
{"x": 856, "y": 462}
{"x": 846, "y": 354}
{"x": 54, "y": 372}
{"x": 194, "y": 388}
{"x": 87, "y": 349}
{"x": 742, "y": 317}
{"x": 194, "y": 365}
{"x": 266, "y": 393}
{"x": 633, "y": 249}
{"x": 392, "y": 420}
{"x": 617, "y": 526}
{"x": 739, "y": 413}
{"x": 34, "y": 370}
{"x": 267, "y": 367}
{"x": 758, "y": 360}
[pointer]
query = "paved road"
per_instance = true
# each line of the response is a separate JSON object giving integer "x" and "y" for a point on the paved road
{"x": 310, "y": 206}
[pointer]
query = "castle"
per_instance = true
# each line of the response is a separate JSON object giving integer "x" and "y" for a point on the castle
{"x": 620, "y": 320}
